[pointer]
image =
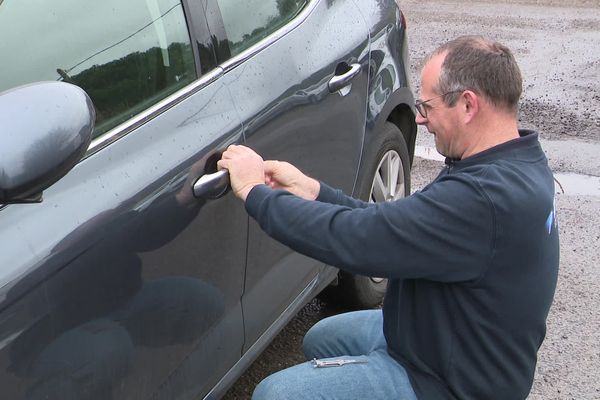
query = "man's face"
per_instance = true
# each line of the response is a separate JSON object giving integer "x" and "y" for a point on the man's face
{"x": 441, "y": 120}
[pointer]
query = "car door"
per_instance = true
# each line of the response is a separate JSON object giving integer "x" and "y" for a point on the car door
{"x": 298, "y": 74}
{"x": 121, "y": 284}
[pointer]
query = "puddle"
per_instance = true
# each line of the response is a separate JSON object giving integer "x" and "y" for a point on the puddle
{"x": 575, "y": 184}
{"x": 428, "y": 153}
{"x": 566, "y": 183}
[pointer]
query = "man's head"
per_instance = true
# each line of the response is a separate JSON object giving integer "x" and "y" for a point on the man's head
{"x": 467, "y": 85}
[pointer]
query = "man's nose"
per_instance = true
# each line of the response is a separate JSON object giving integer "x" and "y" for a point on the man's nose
{"x": 419, "y": 119}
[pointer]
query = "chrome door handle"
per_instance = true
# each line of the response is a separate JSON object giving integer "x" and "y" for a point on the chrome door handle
{"x": 339, "y": 82}
{"x": 212, "y": 186}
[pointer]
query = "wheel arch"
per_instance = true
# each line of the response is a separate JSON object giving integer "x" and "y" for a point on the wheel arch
{"x": 398, "y": 111}
{"x": 403, "y": 117}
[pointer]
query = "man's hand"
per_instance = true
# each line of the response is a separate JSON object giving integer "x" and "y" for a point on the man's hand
{"x": 283, "y": 175}
{"x": 246, "y": 169}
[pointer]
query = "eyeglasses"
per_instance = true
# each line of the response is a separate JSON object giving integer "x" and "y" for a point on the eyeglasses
{"x": 420, "y": 104}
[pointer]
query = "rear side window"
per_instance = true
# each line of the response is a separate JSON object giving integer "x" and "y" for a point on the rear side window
{"x": 249, "y": 21}
{"x": 127, "y": 55}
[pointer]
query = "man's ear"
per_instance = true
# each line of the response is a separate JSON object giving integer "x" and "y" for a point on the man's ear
{"x": 471, "y": 104}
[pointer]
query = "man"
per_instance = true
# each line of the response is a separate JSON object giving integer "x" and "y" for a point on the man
{"x": 472, "y": 259}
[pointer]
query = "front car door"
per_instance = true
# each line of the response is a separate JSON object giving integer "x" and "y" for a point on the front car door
{"x": 283, "y": 55}
{"x": 121, "y": 284}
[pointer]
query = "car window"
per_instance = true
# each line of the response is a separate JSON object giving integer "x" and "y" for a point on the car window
{"x": 127, "y": 55}
{"x": 249, "y": 21}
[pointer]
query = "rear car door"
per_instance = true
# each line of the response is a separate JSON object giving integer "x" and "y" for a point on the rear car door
{"x": 298, "y": 73}
{"x": 121, "y": 284}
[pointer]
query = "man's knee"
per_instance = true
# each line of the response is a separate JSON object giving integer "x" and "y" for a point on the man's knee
{"x": 274, "y": 387}
{"x": 314, "y": 341}
{"x": 351, "y": 333}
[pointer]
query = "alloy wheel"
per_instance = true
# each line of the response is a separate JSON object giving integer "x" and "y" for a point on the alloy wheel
{"x": 388, "y": 182}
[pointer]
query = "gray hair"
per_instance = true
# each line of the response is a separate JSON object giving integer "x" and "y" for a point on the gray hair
{"x": 486, "y": 67}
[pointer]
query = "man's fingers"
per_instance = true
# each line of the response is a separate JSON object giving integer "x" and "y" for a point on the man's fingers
{"x": 222, "y": 164}
{"x": 230, "y": 152}
{"x": 235, "y": 151}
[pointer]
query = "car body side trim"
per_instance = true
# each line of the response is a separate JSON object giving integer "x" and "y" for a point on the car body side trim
{"x": 152, "y": 112}
{"x": 275, "y": 36}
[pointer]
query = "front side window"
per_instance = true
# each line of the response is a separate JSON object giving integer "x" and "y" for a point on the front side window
{"x": 127, "y": 55}
{"x": 249, "y": 21}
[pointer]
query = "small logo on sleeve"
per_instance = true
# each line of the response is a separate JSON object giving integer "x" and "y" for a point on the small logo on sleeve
{"x": 551, "y": 222}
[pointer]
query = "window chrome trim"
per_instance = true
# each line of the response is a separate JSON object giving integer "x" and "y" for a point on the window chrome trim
{"x": 152, "y": 112}
{"x": 275, "y": 36}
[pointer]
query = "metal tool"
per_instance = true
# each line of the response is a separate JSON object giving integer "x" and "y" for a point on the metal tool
{"x": 335, "y": 363}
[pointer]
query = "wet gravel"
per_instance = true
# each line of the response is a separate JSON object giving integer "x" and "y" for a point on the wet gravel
{"x": 557, "y": 44}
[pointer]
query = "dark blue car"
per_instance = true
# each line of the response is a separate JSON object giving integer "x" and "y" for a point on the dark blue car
{"x": 127, "y": 268}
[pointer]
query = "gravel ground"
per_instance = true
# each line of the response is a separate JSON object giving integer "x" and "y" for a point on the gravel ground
{"x": 557, "y": 44}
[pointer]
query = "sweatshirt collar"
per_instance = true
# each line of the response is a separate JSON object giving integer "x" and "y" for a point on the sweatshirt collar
{"x": 518, "y": 147}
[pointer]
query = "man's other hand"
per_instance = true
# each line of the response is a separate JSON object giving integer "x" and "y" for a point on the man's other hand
{"x": 246, "y": 169}
{"x": 283, "y": 175}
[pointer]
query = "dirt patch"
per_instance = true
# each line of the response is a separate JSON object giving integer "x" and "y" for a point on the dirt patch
{"x": 557, "y": 122}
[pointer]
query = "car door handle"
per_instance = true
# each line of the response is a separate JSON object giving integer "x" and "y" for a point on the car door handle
{"x": 212, "y": 186}
{"x": 340, "y": 81}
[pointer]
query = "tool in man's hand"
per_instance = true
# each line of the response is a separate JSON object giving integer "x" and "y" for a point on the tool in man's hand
{"x": 335, "y": 363}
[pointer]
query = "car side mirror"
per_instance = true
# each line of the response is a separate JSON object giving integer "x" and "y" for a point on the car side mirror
{"x": 45, "y": 129}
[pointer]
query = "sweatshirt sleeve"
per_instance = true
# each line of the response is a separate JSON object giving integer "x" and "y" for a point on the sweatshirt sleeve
{"x": 445, "y": 233}
{"x": 327, "y": 194}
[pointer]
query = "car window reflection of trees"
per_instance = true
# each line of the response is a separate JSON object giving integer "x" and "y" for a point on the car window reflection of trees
{"x": 287, "y": 10}
{"x": 125, "y": 87}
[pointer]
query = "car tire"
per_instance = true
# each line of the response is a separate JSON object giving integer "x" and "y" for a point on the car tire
{"x": 388, "y": 150}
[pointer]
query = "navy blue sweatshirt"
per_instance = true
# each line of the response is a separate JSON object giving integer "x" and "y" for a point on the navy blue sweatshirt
{"x": 472, "y": 261}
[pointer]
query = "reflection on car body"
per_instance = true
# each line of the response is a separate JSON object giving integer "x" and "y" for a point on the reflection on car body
{"x": 119, "y": 282}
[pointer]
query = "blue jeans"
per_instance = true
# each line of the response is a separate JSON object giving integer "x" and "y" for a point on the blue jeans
{"x": 356, "y": 335}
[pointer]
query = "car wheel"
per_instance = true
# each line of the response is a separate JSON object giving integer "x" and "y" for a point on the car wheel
{"x": 384, "y": 177}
